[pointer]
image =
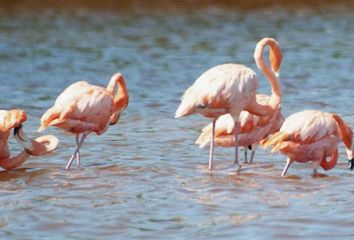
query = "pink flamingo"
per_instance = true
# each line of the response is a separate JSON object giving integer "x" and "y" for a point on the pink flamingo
{"x": 312, "y": 135}
{"x": 83, "y": 108}
{"x": 13, "y": 119}
{"x": 231, "y": 88}
{"x": 252, "y": 129}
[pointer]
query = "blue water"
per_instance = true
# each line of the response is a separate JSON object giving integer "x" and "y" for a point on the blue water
{"x": 144, "y": 178}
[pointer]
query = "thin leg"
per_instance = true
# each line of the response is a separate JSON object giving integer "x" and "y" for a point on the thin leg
{"x": 76, "y": 151}
{"x": 211, "y": 152}
{"x": 245, "y": 154}
{"x": 316, "y": 165}
{"x": 236, "y": 143}
{"x": 314, "y": 174}
{"x": 253, "y": 151}
{"x": 78, "y": 159}
{"x": 288, "y": 163}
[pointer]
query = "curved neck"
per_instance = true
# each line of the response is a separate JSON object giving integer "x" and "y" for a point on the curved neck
{"x": 14, "y": 162}
{"x": 345, "y": 132}
{"x": 327, "y": 165}
{"x": 271, "y": 73}
{"x": 121, "y": 98}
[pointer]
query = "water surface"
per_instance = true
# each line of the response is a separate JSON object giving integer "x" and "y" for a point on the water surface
{"x": 144, "y": 178}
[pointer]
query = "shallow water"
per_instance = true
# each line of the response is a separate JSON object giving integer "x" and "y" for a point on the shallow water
{"x": 144, "y": 178}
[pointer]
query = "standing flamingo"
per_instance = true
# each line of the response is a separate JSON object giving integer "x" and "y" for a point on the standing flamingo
{"x": 252, "y": 129}
{"x": 311, "y": 135}
{"x": 13, "y": 119}
{"x": 231, "y": 88}
{"x": 83, "y": 108}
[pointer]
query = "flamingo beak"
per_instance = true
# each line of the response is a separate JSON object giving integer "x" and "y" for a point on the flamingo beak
{"x": 22, "y": 139}
{"x": 351, "y": 164}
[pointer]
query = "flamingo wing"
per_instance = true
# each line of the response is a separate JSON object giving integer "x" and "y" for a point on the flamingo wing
{"x": 10, "y": 119}
{"x": 215, "y": 90}
{"x": 309, "y": 126}
{"x": 81, "y": 107}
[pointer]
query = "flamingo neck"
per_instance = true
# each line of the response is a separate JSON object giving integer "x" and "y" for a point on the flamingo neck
{"x": 271, "y": 73}
{"x": 121, "y": 98}
{"x": 327, "y": 165}
{"x": 14, "y": 162}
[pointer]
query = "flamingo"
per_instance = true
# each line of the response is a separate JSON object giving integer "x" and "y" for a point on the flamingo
{"x": 13, "y": 119}
{"x": 252, "y": 129}
{"x": 231, "y": 88}
{"x": 312, "y": 135}
{"x": 84, "y": 108}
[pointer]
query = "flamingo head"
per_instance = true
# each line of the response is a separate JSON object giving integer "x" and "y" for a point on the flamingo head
{"x": 21, "y": 138}
{"x": 350, "y": 159}
{"x": 351, "y": 164}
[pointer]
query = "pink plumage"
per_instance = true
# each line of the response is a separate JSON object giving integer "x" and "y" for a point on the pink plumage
{"x": 252, "y": 129}
{"x": 84, "y": 108}
{"x": 231, "y": 89}
{"x": 311, "y": 135}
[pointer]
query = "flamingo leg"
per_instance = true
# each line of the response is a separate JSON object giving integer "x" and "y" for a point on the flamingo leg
{"x": 253, "y": 151}
{"x": 68, "y": 165}
{"x": 236, "y": 144}
{"x": 78, "y": 151}
{"x": 287, "y": 165}
{"x": 245, "y": 155}
{"x": 315, "y": 166}
{"x": 211, "y": 152}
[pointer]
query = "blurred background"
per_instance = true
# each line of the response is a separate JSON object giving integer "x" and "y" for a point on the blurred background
{"x": 145, "y": 177}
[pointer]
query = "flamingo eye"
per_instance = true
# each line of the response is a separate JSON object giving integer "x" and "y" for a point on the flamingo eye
{"x": 202, "y": 106}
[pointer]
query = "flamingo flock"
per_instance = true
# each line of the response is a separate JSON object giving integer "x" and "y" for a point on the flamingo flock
{"x": 226, "y": 94}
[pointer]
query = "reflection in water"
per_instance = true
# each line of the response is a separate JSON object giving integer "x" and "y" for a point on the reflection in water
{"x": 144, "y": 178}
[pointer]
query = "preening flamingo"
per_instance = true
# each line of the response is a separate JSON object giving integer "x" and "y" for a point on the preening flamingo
{"x": 84, "y": 108}
{"x": 252, "y": 129}
{"x": 312, "y": 135}
{"x": 231, "y": 88}
{"x": 13, "y": 119}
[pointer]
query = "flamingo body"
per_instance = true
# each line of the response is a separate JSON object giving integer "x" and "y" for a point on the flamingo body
{"x": 311, "y": 135}
{"x": 83, "y": 108}
{"x": 217, "y": 90}
{"x": 9, "y": 120}
{"x": 13, "y": 119}
{"x": 231, "y": 89}
{"x": 252, "y": 128}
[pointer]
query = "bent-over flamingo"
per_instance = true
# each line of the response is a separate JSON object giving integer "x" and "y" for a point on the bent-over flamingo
{"x": 231, "y": 88}
{"x": 13, "y": 119}
{"x": 83, "y": 108}
{"x": 311, "y": 135}
{"x": 252, "y": 129}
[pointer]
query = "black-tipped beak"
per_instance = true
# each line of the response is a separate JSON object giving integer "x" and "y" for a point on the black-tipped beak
{"x": 22, "y": 139}
{"x": 17, "y": 130}
{"x": 351, "y": 164}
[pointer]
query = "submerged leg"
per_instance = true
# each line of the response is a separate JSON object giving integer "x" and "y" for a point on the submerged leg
{"x": 287, "y": 165}
{"x": 316, "y": 165}
{"x": 76, "y": 151}
{"x": 236, "y": 143}
{"x": 211, "y": 152}
{"x": 253, "y": 151}
{"x": 245, "y": 155}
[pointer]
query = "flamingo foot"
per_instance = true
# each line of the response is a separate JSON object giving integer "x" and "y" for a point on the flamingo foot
{"x": 233, "y": 169}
